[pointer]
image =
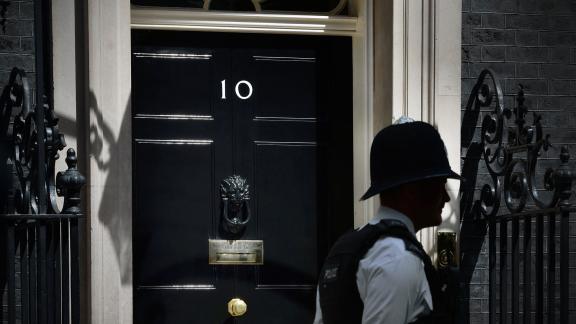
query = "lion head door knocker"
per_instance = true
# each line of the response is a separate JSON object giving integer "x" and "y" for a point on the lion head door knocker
{"x": 235, "y": 204}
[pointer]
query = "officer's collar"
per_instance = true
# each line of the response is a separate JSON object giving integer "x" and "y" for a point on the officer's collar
{"x": 389, "y": 213}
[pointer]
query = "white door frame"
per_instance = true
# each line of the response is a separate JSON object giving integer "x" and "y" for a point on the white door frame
{"x": 417, "y": 74}
{"x": 406, "y": 58}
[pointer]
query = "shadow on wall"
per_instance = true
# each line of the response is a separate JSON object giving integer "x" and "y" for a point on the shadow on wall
{"x": 109, "y": 155}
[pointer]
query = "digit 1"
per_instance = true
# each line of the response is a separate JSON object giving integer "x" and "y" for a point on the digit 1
{"x": 223, "y": 82}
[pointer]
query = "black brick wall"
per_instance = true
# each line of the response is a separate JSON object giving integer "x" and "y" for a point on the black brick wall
{"x": 16, "y": 50}
{"x": 16, "y": 38}
{"x": 532, "y": 42}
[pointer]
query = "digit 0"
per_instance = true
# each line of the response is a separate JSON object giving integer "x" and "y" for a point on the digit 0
{"x": 237, "y": 90}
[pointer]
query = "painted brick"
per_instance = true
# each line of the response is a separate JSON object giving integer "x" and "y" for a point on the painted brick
{"x": 510, "y": 101}
{"x": 14, "y": 27}
{"x": 10, "y": 9}
{"x": 492, "y": 36}
{"x": 494, "y": 5}
{"x": 531, "y": 22}
{"x": 503, "y": 70}
{"x": 471, "y": 53}
{"x": 563, "y": 136}
{"x": 478, "y": 290}
{"x": 27, "y": 44}
{"x": 4, "y": 75}
{"x": 526, "y": 54}
{"x": 479, "y": 276}
{"x": 553, "y": 38}
{"x": 562, "y": 23}
{"x": 526, "y": 70}
{"x": 558, "y": 71}
{"x": 531, "y": 86}
{"x": 475, "y": 306}
{"x": 493, "y": 53}
{"x": 466, "y": 36}
{"x": 527, "y": 38}
{"x": 556, "y": 119}
{"x": 465, "y": 68}
{"x": 493, "y": 20}
{"x": 529, "y": 101}
{"x": 545, "y": 6}
{"x": 471, "y": 20}
{"x": 478, "y": 318}
{"x": 466, "y": 5}
{"x": 559, "y": 55}
{"x": 556, "y": 103}
{"x": 25, "y": 62}
{"x": 482, "y": 258}
{"x": 485, "y": 305}
{"x": 467, "y": 86}
{"x": 27, "y": 10}
{"x": 561, "y": 87}
{"x": 9, "y": 44}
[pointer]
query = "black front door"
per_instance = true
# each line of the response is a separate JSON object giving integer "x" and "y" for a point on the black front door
{"x": 276, "y": 112}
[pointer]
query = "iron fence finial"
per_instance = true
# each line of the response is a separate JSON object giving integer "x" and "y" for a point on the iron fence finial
{"x": 69, "y": 184}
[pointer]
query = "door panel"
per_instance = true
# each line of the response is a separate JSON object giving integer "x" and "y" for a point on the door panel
{"x": 160, "y": 92}
{"x": 286, "y": 185}
{"x": 279, "y": 307}
{"x": 272, "y": 121}
{"x": 180, "y": 306}
{"x": 289, "y": 76}
{"x": 179, "y": 224}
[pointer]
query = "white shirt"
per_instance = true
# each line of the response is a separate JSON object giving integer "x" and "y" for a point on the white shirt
{"x": 391, "y": 280}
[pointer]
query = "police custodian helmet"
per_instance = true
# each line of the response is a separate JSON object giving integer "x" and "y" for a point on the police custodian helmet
{"x": 406, "y": 152}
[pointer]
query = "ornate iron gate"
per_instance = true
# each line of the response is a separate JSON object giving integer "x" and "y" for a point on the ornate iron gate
{"x": 40, "y": 249}
{"x": 520, "y": 265}
{"x": 39, "y": 246}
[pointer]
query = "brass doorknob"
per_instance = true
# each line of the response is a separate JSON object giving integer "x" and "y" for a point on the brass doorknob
{"x": 237, "y": 307}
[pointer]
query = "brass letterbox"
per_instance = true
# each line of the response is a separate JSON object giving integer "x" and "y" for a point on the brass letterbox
{"x": 236, "y": 252}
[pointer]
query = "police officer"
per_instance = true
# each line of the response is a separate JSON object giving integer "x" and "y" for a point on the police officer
{"x": 380, "y": 274}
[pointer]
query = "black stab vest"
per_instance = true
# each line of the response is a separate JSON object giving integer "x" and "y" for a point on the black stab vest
{"x": 339, "y": 298}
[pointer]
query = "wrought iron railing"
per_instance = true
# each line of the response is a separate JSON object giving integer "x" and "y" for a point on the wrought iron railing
{"x": 39, "y": 243}
{"x": 510, "y": 154}
{"x": 40, "y": 251}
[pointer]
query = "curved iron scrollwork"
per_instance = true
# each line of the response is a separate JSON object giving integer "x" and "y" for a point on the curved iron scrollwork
{"x": 235, "y": 195}
{"x": 510, "y": 143}
{"x": 23, "y": 139}
{"x": 510, "y": 153}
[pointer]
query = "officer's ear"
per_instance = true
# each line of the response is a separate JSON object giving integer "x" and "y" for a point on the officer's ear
{"x": 409, "y": 193}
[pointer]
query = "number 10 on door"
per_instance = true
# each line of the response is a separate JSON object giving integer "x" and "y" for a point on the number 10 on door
{"x": 243, "y": 89}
